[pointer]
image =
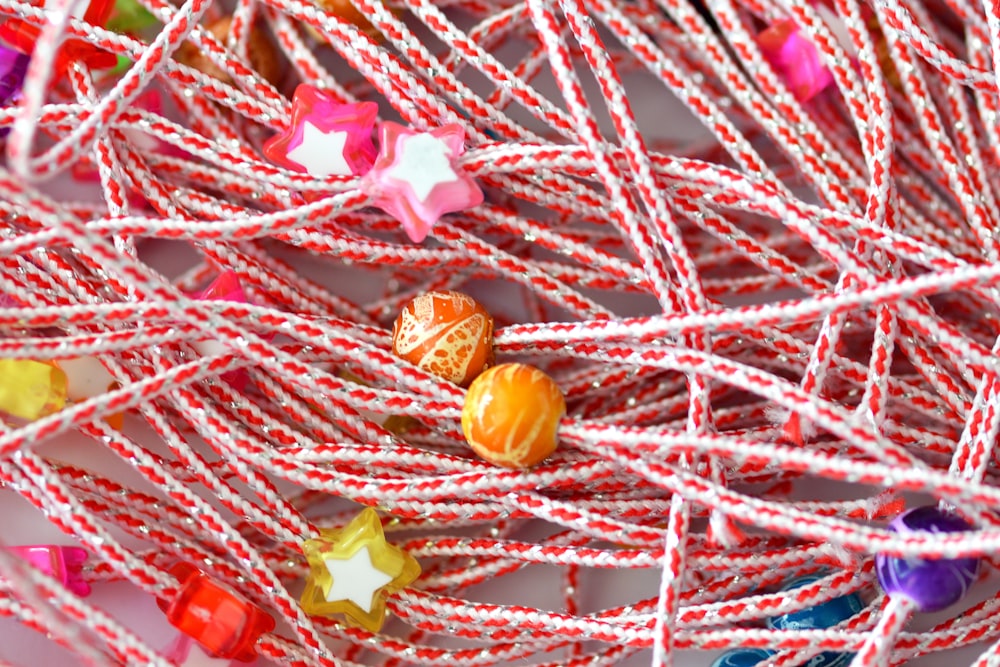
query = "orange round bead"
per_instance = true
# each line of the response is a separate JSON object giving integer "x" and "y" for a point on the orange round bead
{"x": 511, "y": 414}
{"x": 348, "y": 12}
{"x": 448, "y": 334}
{"x": 261, "y": 53}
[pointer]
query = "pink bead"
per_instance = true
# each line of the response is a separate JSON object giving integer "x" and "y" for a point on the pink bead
{"x": 226, "y": 287}
{"x": 63, "y": 563}
{"x": 795, "y": 59}
{"x": 416, "y": 179}
{"x": 325, "y": 137}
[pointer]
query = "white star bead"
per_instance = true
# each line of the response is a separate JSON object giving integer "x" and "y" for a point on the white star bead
{"x": 321, "y": 153}
{"x": 355, "y": 579}
{"x": 424, "y": 161}
{"x": 86, "y": 377}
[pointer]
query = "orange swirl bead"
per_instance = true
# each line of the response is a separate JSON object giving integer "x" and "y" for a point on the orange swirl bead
{"x": 448, "y": 334}
{"x": 511, "y": 415}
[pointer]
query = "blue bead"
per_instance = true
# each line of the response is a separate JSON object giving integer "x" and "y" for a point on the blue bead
{"x": 931, "y": 584}
{"x": 819, "y": 617}
{"x": 822, "y": 616}
{"x": 742, "y": 657}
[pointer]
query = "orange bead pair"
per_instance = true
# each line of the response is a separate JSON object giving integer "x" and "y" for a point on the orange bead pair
{"x": 512, "y": 411}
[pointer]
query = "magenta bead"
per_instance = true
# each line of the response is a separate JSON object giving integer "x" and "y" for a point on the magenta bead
{"x": 62, "y": 563}
{"x": 13, "y": 67}
{"x": 931, "y": 584}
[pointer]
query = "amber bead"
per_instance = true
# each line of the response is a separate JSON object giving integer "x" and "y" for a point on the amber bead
{"x": 30, "y": 390}
{"x": 448, "y": 334}
{"x": 261, "y": 53}
{"x": 347, "y": 11}
{"x": 511, "y": 415}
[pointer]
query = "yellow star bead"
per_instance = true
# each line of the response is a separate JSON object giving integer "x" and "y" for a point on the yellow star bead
{"x": 30, "y": 390}
{"x": 353, "y": 570}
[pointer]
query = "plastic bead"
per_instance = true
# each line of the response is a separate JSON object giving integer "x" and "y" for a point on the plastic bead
{"x": 30, "y": 389}
{"x": 353, "y": 570}
{"x": 130, "y": 17}
{"x": 325, "y": 137}
{"x": 23, "y": 35}
{"x": 347, "y": 11}
{"x": 217, "y": 617}
{"x": 795, "y": 59}
{"x": 448, "y": 334}
{"x": 260, "y": 53}
{"x": 415, "y": 179}
{"x": 62, "y": 563}
{"x": 226, "y": 287}
{"x": 511, "y": 414}
{"x": 13, "y": 67}
{"x": 932, "y": 585}
{"x": 743, "y": 657}
{"x": 186, "y": 652}
{"x": 825, "y": 615}
{"x": 86, "y": 378}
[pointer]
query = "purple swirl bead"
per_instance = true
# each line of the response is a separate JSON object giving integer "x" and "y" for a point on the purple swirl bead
{"x": 931, "y": 584}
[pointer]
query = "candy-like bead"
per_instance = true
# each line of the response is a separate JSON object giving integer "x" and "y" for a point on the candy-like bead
{"x": 86, "y": 377}
{"x": 62, "y": 563}
{"x": 130, "y": 17}
{"x": 353, "y": 570}
{"x": 13, "y": 67}
{"x": 742, "y": 657}
{"x": 225, "y": 287}
{"x": 931, "y": 584}
{"x": 795, "y": 59}
{"x": 448, "y": 334}
{"x": 22, "y": 35}
{"x": 347, "y": 11}
{"x": 30, "y": 390}
{"x": 186, "y": 652}
{"x": 217, "y": 617}
{"x": 417, "y": 178}
{"x": 260, "y": 53}
{"x": 825, "y": 615}
{"x": 511, "y": 414}
{"x": 325, "y": 136}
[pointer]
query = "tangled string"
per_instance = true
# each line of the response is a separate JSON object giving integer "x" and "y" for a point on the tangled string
{"x": 766, "y": 330}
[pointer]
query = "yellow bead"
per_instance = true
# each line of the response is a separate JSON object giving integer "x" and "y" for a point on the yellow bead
{"x": 511, "y": 415}
{"x": 353, "y": 570}
{"x": 30, "y": 390}
{"x": 448, "y": 334}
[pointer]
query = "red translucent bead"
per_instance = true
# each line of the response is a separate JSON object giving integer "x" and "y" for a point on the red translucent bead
{"x": 217, "y": 617}
{"x": 23, "y": 35}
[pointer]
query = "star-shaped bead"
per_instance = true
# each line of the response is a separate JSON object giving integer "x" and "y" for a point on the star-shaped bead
{"x": 414, "y": 177}
{"x": 325, "y": 138}
{"x": 352, "y": 570}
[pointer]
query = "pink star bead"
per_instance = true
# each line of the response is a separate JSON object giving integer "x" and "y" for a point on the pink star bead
{"x": 325, "y": 138}
{"x": 415, "y": 179}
